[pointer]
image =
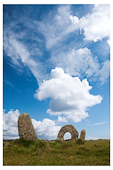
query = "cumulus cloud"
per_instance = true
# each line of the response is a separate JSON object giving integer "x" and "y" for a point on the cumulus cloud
{"x": 96, "y": 25}
{"x": 69, "y": 96}
{"x": 10, "y": 129}
{"x": 45, "y": 129}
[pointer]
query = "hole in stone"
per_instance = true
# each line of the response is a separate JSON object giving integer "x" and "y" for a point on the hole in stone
{"x": 67, "y": 136}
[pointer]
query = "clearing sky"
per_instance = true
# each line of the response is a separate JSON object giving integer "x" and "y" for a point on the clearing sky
{"x": 56, "y": 67}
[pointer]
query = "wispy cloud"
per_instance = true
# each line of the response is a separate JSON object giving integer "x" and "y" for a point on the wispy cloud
{"x": 57, "y": 27}
{"x": 75, "y": 60}
{"x": 98, "y": 123}
{"x": 11, "y": 85}
{"x": 94, "y": 138}
{"x": 104, "y": 72}
{"x": 21, "y": 56}
{"x": 82, "y": 63}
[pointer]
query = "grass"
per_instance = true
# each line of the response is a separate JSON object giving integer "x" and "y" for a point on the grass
{"x": 42, "y": 152}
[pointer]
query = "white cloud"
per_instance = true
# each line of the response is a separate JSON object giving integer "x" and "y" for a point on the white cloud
{"x": 98, "y": 123}
{"x": 96, "y": 25}
{"x": 10, "y": 129}
{"x": 104, "y": 72}
{"x": 45, "y": 129}
{"x": 19, "y": 54}
{"x": 69, "y": 96}
{"x": 9, "y": 83}
{"x": 56, "y": 27}
{"x": 109, "y": 42}
{"x": 74, "y": 19}
{"x": 82, "y": 63}
{"x": 61, "y": 119}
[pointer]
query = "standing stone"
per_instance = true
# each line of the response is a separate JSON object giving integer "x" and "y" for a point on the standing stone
{"x": 82, "y": 134}
{"x": 25, "y": 127}
{"x": 67, "y": 128}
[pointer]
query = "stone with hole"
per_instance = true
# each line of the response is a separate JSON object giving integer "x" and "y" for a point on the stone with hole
{"x": 67, "y": 128}
{"x": 25, "y": 127}
{"x": 82, "y": 134}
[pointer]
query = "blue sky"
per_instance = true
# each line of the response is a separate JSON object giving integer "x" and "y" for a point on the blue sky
{"x": 56, "y": 67}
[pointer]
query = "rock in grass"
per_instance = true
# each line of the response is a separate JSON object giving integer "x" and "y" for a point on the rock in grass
{"x": 25, "y": 127}
{"x": 67, "y": 128}
{"x": 82, "y": 134}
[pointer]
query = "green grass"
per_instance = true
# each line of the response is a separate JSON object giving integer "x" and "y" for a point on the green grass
{"x": 42, "y": 152}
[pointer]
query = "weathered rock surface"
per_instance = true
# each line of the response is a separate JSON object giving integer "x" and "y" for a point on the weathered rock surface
{"x": 67, "y": 128}
{"x": 25, "y": 127}
{"x": 82, "y": 134}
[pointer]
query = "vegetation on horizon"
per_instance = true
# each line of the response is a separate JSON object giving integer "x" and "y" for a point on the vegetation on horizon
{"x": 43, "y": 152}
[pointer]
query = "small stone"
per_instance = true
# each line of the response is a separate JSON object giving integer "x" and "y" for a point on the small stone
{"x": 82, "y": 134}
{"x": 67, "y": 128}
{"x": 25, "y": 127}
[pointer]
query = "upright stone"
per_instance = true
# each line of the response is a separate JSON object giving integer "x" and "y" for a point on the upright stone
{"x": 25, "y": 127}
{"x": 82, "y": 134}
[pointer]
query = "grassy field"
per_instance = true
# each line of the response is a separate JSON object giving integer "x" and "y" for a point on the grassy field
{"x": 42, "y": 152}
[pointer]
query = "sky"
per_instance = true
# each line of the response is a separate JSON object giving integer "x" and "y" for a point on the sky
{"x": 56, "y": 67}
